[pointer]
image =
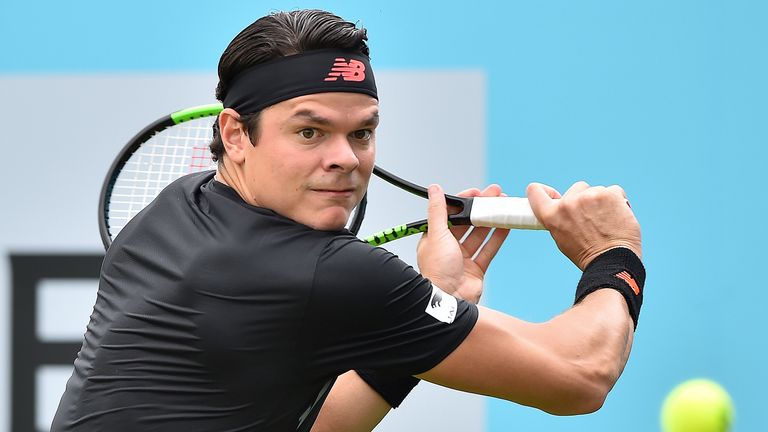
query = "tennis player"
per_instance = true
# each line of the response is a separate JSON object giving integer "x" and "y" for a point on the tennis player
{"x": 237, "y": 297}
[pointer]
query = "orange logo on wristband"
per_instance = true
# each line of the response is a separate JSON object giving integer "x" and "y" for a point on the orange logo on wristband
{"x": 626, "y": 277}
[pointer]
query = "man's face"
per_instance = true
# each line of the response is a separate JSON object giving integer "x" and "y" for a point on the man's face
{"x": 313, "y": 157}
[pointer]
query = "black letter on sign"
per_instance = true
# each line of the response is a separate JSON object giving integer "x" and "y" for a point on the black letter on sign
{"x": 28, "y": 353}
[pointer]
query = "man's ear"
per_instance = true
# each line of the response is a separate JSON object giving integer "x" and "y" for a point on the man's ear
{"x": 234, "y": 135}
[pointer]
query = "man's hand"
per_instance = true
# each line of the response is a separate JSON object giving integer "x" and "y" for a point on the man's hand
{"x": 452, "y": 259}
{"x": 586, "y": 221}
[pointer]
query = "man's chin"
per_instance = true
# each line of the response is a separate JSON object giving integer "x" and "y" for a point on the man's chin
{"x": 330, "y": 220}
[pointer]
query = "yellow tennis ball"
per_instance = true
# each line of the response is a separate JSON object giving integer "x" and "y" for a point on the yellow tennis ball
{"x": 698, "y": 405}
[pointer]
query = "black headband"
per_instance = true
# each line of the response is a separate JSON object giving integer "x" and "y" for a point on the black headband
{"x": 311, "y": 72}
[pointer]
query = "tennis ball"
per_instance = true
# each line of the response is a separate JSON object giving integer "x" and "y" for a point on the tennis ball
{"x": 698, "y": 405}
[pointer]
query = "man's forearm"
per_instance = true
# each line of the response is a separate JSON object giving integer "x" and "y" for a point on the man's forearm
{"x": 597, "y": 332}
{"x": 352, "y": 406}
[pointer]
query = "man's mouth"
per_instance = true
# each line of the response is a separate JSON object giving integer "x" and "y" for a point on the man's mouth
{"x": 335, "y": 192}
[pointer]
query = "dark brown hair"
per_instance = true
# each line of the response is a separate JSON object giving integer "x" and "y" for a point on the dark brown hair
{"x": 281, "y": 34}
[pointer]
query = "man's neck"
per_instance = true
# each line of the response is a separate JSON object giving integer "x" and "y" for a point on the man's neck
{"x": 227, "y": 174}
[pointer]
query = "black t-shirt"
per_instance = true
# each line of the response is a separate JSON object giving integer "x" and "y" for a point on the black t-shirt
{"x": 215, "y": 315}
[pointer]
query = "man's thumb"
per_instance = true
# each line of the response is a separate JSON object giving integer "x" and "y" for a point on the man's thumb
{"x": 541, "y": 197}
{"x": 437, "y": 212}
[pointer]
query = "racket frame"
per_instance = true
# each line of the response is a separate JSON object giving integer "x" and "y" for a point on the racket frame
{"x": 134, "y": 144}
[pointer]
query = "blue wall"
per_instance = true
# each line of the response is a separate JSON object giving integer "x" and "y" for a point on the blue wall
{"x": 666, "y": 98}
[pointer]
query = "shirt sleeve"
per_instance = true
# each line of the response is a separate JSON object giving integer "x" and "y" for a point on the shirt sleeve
{"x": 369, "y": 309}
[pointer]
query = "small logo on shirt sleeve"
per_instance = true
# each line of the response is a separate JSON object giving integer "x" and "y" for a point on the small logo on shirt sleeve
{"x": 442, "y": 306}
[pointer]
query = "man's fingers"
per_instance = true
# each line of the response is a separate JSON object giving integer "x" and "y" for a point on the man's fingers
{"x": 577, "y": 187}
{"x": 547, "y": 190}
{"x": 458, "y": 231}
{"x": 542, "y": 199}
{"x": 490, "y": 248}
{"x": 493, "y": 190}
{"x": 474, "y": 240}
{"x": 618, "y": 190}
{"x": 472, "y": 192}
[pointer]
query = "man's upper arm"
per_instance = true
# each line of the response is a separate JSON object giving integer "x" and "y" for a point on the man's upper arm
{"x": 500, "y": 357}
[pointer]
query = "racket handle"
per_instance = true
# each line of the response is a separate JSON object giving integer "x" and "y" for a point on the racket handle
{"x": 503, "y": 212}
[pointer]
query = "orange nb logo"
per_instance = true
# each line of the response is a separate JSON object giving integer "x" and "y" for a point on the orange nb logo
{"x": 626, "y": 277}
{"x": 348, "y": 71}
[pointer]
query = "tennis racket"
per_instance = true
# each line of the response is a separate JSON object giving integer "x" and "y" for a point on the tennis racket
{"x": 177, "y": 144}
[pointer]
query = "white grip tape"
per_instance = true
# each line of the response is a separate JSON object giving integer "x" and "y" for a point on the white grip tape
{"x": 503, "y": 212}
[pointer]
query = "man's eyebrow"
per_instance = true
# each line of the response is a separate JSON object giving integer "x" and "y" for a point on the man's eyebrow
{"x": 311, "y": 116}
{"x": 315, "y": 118}
{"x": 373, "y": 120}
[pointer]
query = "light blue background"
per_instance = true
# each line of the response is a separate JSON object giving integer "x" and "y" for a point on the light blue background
{"x": 667, "y": 98}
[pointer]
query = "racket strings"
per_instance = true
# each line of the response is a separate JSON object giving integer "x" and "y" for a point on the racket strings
{"x": 166, "y": 156}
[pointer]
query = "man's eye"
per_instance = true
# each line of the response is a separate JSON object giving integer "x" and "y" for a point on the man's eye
{"x": 362, "y": 134}
{"x": 308, "y": 133}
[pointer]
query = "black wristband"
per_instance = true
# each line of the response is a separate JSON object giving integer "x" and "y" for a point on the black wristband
{"x": 393, "y": 388}
{"x": 619, "y": 269}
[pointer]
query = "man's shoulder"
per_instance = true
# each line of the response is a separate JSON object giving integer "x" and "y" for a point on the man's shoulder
{"x": 189, "y": 183}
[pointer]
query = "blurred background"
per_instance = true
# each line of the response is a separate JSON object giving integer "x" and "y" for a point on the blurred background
{"x": 666, "y": 98}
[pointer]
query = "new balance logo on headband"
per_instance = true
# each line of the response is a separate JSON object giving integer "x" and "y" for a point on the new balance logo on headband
{"x": 348, "y": 71}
